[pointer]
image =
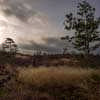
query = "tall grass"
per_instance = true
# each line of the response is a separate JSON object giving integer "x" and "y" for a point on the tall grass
{"x": 54, "y": 83}
{"x": 62, "y": 82}
{"x": 49, "y": 76}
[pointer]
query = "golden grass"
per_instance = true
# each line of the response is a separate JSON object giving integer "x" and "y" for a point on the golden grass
{"x": 60, "y": 83}
{"x": 60, "y": 76}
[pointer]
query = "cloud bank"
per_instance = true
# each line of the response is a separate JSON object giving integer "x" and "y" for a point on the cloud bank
{"x": 30, "y": 28}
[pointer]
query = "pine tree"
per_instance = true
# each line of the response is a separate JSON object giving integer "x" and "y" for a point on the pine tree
{"x": 85, "y": 26}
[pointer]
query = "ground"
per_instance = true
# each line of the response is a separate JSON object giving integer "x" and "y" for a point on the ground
{"x": 57, "y": 78}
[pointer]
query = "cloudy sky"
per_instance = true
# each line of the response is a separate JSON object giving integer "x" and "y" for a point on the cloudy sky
{"x": 36, "y": 24}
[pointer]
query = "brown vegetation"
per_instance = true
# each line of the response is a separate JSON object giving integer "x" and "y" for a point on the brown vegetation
{"x": 53, "y": 83}
{"x": 53, "y": 77}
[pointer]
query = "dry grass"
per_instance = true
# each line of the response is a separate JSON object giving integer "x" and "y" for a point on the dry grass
{"x": 49, "y": 76}
{"x": 63, "y": 82}
{"x": 55, "y": 83}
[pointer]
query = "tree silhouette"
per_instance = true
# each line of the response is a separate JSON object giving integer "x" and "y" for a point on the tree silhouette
{"x": 85, "y": 27}
{"x": 9, "y": 45}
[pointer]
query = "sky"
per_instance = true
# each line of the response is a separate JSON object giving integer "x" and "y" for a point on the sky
{"x": 37, "y": 24}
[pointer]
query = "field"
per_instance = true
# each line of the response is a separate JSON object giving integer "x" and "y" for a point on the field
{"x": 62, "y": 78}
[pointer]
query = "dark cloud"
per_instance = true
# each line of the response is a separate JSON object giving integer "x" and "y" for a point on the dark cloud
{"x": 16, "y": 8}
{"x": 52, "y": 45}
{"x": 57, "y": 42}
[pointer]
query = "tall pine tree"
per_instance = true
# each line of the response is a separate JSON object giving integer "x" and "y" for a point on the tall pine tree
{"x": 85, "y": 26}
